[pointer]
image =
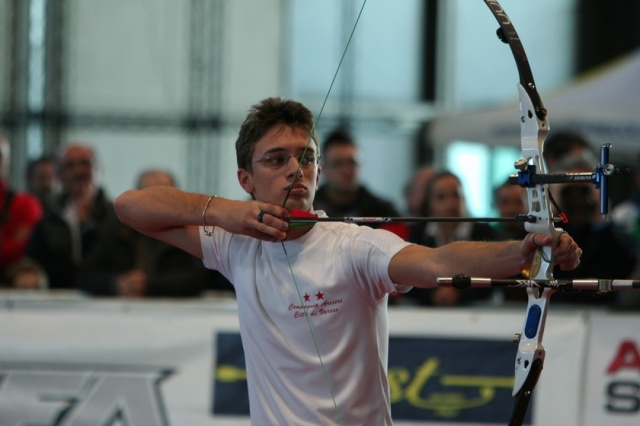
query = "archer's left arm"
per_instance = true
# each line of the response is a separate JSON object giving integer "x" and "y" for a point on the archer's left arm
{"x": 420, "y": 266}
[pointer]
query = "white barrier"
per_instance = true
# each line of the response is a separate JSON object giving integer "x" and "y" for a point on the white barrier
{"x": 612, "y": 385}
{"x": 73, "y": 361}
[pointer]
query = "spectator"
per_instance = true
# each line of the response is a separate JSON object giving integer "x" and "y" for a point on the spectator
{"x": 444, "y": 197}
{"x": 41, "y": 180}
{"x": 19, "y": 214}
{"x": 155, "y": 177}
{"x": 510, "y": 201}
{"x": 342, "y": 194}
{"x": 563, "y": 147}
{"x": 608, "y": 252}
{"x": 68, "y": 231}
{"x": 126, "y": 263}
{"x": 415, "y": 189}
{"x": 627, "y": 215}
{"x": 27, "y": 275}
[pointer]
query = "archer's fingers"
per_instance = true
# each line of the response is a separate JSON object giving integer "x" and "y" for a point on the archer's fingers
{"x": 569, "y": 262}
{"x": 566, "y": 245}
{"x": 533, "y": 242}
{"x": 567, "y": 253}
{"x": 276, "y": 217}
{"x": 271, "y": 222}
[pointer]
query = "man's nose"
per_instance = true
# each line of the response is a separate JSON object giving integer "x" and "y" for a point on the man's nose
{"x": 293, "y": 167}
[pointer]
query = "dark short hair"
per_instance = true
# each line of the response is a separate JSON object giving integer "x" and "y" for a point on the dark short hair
{"x": 425, "y": 209}
{"x": 265, "y": 115}
{"x": 337, "y": 137}
{"x": 33, "y": 164}
{"x": 146, "y": 172}
{"x": 559, "y": 144}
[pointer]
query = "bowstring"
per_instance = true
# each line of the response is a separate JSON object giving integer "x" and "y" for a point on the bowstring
{"x": 326, "y": 98}
{"x": 290, "y": 265}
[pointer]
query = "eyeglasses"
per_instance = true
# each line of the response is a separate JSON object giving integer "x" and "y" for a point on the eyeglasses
{"x": 276, "y": 161}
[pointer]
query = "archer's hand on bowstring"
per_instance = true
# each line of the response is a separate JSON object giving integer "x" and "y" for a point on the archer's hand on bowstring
{"x": 566, "y": 253}
{"x": 256, "y": 219}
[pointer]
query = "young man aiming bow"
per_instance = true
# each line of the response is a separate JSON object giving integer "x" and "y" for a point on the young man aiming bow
{"x": 312, "y": 301}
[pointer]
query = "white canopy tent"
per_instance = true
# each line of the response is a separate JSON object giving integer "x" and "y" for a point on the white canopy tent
{"x": 603, "y": 105}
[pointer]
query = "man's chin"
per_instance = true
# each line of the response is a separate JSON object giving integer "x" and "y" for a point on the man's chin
{"x": 297, "y": 205}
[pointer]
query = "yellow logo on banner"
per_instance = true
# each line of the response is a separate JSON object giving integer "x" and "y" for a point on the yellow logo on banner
{"x": 404, "y": 387}
{"x": 230, "y": 373}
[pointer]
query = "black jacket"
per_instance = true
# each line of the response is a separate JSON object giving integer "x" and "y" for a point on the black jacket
{"x": 479, "y": 232}
{"x": 51, "y": 242}
{"x": 171, "y": 272}
{"x": 366, "y": 204}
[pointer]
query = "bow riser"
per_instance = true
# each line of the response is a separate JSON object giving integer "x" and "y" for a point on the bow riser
{"x": 533, "y": 132}
{"x": 531, "y": 352}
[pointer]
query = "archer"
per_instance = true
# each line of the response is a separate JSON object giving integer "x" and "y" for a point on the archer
{"x": 333, "y": 369}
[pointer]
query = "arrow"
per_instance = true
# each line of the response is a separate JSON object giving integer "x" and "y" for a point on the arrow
{"x": 300, "y": 218}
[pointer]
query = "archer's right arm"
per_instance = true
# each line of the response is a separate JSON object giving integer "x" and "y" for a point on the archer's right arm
{"x": 174, "y": 216}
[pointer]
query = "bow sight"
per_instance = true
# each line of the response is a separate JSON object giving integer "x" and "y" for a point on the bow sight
{"x": 528, "y": 176}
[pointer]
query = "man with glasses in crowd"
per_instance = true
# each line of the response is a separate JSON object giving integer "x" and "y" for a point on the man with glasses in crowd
{"x": 342, "y": 194}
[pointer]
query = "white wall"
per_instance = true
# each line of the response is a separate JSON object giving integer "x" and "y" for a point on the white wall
{"x": 132, "y": 57}
{"x": 479, "y": 70}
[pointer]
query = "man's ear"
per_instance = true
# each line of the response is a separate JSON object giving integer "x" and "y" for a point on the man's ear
{"x": 318, "y": 177}
{"x": 245, "y": 178}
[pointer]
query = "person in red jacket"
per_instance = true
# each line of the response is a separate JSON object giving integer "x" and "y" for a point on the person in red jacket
{"x": 19, "y": 214}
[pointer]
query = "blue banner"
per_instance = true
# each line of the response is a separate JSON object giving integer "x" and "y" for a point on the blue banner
{"x": 457, "y": 380}
{"x": 230, "y": 377}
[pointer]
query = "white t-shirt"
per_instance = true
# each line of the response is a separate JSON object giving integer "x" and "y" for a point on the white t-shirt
{"x": 342, "y": 280}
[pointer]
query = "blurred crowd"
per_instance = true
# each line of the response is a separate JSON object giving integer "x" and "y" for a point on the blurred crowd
{"x": 61, "y": 232}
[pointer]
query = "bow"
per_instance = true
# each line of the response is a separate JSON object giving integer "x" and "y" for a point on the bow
{"x": 539, "y": 220}
{"x": 533, "y": 130}
{"x": 540, "y": 284}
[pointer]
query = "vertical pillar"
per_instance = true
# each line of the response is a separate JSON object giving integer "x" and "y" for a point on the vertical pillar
{"x": 205, "y": 95}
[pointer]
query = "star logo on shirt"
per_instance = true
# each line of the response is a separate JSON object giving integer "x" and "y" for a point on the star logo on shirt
{"x": 306, "y": 297}
{"x": 320, "y": 295}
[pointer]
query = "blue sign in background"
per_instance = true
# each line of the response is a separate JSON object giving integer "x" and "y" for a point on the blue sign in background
{"x": 459, "y": 380}
{"x": 456, "y": 380}
{"x": 229, "y": 377}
